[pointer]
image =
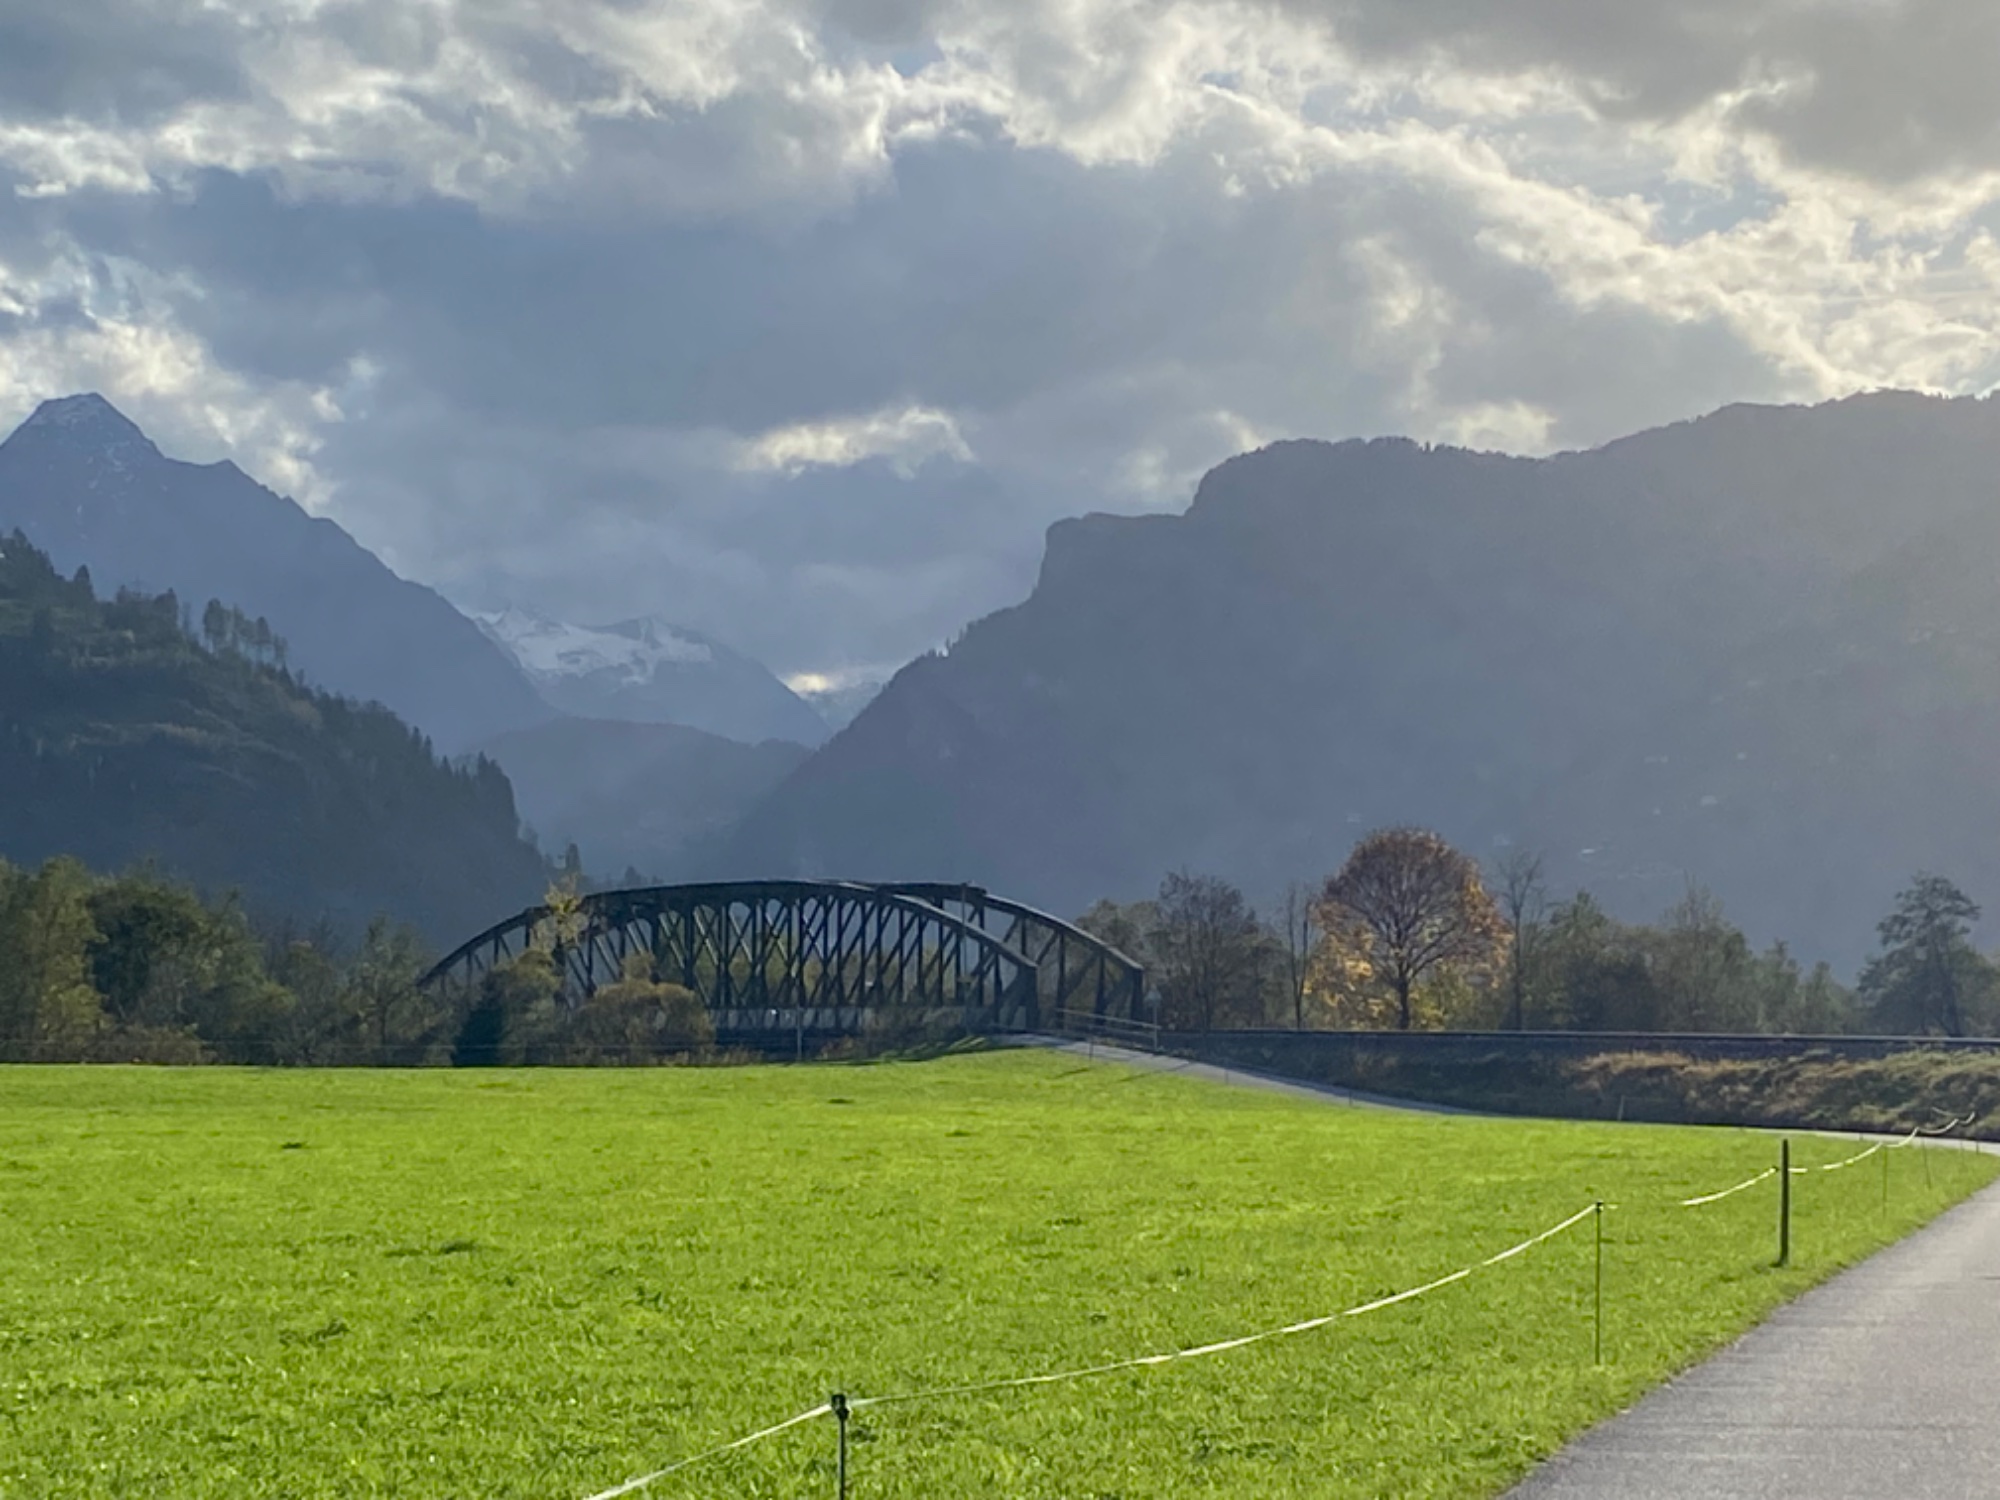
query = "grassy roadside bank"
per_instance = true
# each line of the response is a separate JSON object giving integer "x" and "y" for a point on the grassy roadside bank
{"x": 1812, "y": 1090}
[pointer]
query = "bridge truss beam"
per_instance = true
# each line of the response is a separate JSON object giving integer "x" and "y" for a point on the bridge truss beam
{"x": 822, "y": 956}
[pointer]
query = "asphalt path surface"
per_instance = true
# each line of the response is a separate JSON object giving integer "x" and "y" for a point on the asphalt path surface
{"x": 1154, "y": 1062}
{"x": 1877, "y": 1385}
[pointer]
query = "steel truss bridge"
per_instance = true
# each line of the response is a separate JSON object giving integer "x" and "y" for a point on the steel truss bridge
{"x": 772, "y": 958}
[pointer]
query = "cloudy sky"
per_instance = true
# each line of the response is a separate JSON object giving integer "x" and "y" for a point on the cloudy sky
{"x": 798, "y": 320}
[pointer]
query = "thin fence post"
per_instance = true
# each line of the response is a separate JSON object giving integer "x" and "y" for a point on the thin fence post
{"x": 1785, "y": 1202}
{"x": 1885, "y": 1179}
{"x": 1597, "y": 1313}
{"x": 838, "y": 1401}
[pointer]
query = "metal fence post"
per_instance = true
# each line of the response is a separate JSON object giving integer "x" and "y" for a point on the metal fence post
{"x": 1785, "y": 1202}
{"x": 838, "y": 1401}
{"x": 1597, "y": 1314}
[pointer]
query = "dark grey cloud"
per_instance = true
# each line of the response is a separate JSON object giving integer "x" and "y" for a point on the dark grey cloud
{"x": 1895, "y": 89}
{"x": 1052, "y": 355}
{"x": 801, "y": 324}
{"x": 981, "y": 280}
{"x": 103, "y": 60}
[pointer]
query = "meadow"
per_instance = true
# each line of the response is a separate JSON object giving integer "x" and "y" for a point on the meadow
{"x": 235, "y": 1283}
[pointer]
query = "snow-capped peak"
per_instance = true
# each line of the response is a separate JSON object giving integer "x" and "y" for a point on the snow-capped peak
{"x": 632, "y": 651}
{"x": 649, "y": 671}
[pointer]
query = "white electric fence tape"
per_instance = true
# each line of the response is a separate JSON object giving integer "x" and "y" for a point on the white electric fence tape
{"x": 1954, "y": 1123}
{"x": 1147, "y": 1361}
{"x": 743, "y": 1442}
{"x": 1201, "y": 1350}
{"x": 1848, "y": 1161}
{"x": 1143, "y": 1361}
{"x": 1748, "y": 1182}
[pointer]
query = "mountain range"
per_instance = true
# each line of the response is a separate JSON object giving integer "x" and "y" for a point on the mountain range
{"x": 838, "y": 701}
{"x": 84, "y": 484}
{"x": 89, "y": 488}
{"x": 635, "y": 797}
{"x": 1759, "y": 651}
{"x": 652, "y": 671}
{"x": 125, "y": 740}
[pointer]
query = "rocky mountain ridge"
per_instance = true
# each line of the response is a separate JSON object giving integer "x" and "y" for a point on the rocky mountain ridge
{"x": 1515, "y": 651}
{"x": 90, "y": 489}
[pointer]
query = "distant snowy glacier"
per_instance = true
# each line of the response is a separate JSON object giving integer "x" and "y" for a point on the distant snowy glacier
{"x": 652, "y": 671}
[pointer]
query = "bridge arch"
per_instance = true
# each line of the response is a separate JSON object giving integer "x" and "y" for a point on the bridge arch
{"x": 819, "y": 957}
{"x": 1076, "y": 971}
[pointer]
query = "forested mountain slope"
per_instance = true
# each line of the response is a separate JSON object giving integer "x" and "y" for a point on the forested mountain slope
{"x": 91, "y": 489}
{"x": 1337, "y": 636}
{"x": 123, "y": 738}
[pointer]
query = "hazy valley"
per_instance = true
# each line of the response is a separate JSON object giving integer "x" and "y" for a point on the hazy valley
{"x": 1754, "y": 652}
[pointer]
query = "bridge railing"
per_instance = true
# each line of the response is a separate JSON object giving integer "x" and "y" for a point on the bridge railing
{"x": 1143, "y": 1036}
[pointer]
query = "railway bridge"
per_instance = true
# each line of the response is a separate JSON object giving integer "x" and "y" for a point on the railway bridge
{"x": 786, "y": 958}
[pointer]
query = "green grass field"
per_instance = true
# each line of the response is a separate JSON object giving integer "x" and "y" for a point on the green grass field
{"x": 535, "y": 1284}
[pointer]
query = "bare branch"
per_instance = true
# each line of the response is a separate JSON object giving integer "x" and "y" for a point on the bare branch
{"x": 1422, "y": 903}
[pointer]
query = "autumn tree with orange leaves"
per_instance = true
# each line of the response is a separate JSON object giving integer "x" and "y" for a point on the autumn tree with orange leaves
{"x": 1419, "y": 906}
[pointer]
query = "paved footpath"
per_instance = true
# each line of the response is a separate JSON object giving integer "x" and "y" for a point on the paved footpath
{"x": 1155, "y": 1062}
{"x": 1878, "y": 1385}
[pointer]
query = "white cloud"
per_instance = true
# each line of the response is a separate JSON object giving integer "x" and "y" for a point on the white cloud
{"x": 906, "y": 437}
{"x": 842, "y": 678}
{"x": 123, "y": 335}
{"x": 1499, "y": 426}
{"x": 552, "y": 277}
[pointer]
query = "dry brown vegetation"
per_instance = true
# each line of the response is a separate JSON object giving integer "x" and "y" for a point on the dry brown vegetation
{"x": 1814, "y": 1089}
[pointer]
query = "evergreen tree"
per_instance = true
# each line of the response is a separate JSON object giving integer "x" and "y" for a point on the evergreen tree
{"x": 1928, "y": 979}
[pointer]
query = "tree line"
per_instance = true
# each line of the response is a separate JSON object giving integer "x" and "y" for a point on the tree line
{"x": 1410, "y": 933}
{"x": 140, "y": 968}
